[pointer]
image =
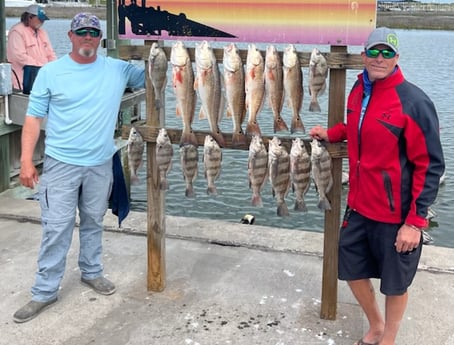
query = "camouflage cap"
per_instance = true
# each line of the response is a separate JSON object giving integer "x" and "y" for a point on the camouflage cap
{"x": 384, "y": 36}
{"x": 85, "y": 20}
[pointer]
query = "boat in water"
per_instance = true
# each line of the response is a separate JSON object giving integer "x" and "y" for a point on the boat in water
{"x": 46, "y": 3}
{"x": 20, "y": 3}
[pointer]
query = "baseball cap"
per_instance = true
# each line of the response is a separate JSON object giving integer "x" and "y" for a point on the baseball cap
{"x": 85, "y": 20}
{"x": 384, "y": 36}
{"x": 37, "y": 11}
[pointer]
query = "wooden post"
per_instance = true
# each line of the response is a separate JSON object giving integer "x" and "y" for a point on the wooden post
{"x": 156, "y": 226}
{"x": 336, "y": 110}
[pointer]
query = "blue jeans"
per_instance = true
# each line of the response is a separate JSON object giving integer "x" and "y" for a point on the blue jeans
{"x": 64, "y": 188}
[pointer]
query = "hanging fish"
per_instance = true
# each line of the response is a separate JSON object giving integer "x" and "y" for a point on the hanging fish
{"x": 208, "y": 85}
{"x": 212, "y": 159}
{"x": 318, "y": 71}
{"x": 164, "y": 154}
{"x": 157, "y": 70}
{"x": 255, "y": 88}
{"x": 321, "y": 173}
{"x": 279, "y": 174}
{"x": 257, "y": 168}
{"x": 274, "y": 86}
{"x": 235, "y": 92}
{"x": 183, "y": 86}
{"x": 293, "y": 86}
{"x": 300, "y": 172}
{"x": 189, "y": 157}
{"x": 135, "y": 148}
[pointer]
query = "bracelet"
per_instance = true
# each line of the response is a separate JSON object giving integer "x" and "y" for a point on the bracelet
{"x": 413, "y": 227}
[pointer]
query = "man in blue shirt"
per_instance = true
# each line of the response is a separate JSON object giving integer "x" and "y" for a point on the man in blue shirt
{"x": 80, "y": 95}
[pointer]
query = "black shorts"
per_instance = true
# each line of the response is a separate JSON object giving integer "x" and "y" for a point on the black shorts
{"x": 366, "y": 250}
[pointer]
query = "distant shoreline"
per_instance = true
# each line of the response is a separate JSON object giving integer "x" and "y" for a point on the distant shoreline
{"x": 423, "y": 20}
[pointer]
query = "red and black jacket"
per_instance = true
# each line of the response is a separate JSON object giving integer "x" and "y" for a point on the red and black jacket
{"x": 395, "y": 159}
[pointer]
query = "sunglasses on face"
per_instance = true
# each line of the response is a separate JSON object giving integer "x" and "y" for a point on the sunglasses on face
{"x": 386, "y": 53}
{"x": 84, "y": 32}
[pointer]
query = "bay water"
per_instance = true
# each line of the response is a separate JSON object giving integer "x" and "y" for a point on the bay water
{"x": 426, "y": 60}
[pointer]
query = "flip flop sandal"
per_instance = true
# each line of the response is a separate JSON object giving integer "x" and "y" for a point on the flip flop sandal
{"x": 361, "y": 342}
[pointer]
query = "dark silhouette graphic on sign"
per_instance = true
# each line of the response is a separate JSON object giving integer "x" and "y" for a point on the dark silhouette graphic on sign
{"x": 150, "y": 21}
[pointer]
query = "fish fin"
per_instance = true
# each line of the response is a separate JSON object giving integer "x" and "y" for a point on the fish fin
{"x": 178, "y": 111}
{"x": 257, "y": 200}
{"x": 297, "y": 125}
{"x": 282, "y": 210}
{"x": 253, "y": 128}
{"x": 314, "y": 106}
{"x": 300, "y": 206}
{"x": 228, "y": 113}
{"x": 280, "y": 125}
{"x": 202, "y": 115}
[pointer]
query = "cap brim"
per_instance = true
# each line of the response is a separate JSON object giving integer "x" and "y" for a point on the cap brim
{"x": 381, "y": 43}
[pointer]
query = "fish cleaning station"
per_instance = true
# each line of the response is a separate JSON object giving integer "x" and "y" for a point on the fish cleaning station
{"x": 344, "y": 23}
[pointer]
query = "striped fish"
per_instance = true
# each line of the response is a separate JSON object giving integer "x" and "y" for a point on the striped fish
{"x": 321, "y": 172}
{"x": 300, "y": 173}
{"x": 318, "y": 71}
{"x": 257, "y": 168}
{"x": 189, "y": 157}
{"x": 279, "y": 174}
{"x": 157, "y": 70}
{"x": 212, "y": 158}
{"x": 164, "y": 154}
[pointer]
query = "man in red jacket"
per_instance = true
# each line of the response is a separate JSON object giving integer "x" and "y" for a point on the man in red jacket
{"x": 396, "y": 161}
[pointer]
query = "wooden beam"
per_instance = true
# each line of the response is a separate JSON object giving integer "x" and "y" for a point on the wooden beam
{"x": 335, "y": 60}
{"x": 150, "y": 133}
{"x": 156, "y": 225}
{"x": 336, "y": 110}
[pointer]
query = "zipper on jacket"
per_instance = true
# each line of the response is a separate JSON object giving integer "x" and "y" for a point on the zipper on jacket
{"x": 389, "y": 190}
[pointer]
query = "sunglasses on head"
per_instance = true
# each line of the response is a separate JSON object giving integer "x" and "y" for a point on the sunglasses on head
{"x": 386, "y": 53}
{"x": 84, "y": 32}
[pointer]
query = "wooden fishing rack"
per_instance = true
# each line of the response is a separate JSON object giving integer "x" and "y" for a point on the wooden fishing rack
{"x": 338, "y": 60}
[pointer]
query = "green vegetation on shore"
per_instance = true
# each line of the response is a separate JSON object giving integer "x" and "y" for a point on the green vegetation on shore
{"x": 426, "y": 20}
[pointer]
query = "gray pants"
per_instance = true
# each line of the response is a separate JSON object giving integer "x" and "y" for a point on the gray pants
{"x": 64, "y": 188}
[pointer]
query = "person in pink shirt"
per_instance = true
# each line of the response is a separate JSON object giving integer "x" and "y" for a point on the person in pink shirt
{"x": 28, "y": 44}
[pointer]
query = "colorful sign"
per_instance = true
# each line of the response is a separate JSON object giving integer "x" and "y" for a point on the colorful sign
{"x": 341, "y": 22}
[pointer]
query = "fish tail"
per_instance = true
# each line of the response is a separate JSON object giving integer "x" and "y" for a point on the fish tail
{"x": 324, "y": 204}
{"x": 218, "y": 137}
{"x": 252, "y": 128}
{"x": 188, "y": 138}
{"x": 280, "y": 125}
{"x": 297, "y": 125}
{"x": 256, "y": 200}
{"x": 211, "y": 190}
{"x": 164, "y": 185}
{"x": 134, "y": 179}
{"x": 314, "y": 106}
{"x": 189, "y": 193}
{"x": 157, "y": 104}
{"x": 239, "y": 139}
{"x": 300, "y": 205}
{"x": 282, "y": 210}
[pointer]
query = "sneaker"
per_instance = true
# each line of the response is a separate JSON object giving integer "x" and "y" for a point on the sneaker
{"x": 31, "y": 310}
{"x": 100, "y": 285}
